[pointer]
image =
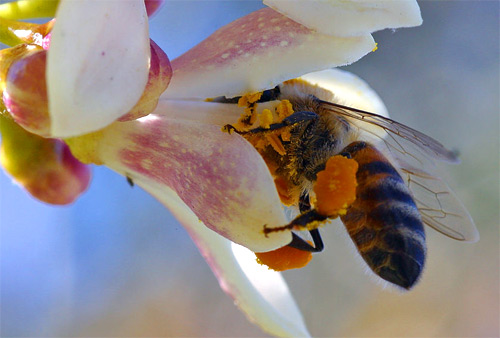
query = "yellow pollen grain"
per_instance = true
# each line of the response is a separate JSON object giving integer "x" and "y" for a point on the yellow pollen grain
{"x": 225, "y": 55}
{"x": 266, "y": 118}
{"x": 284, "y": 109}
{"x": 277, "y": 28}
{"x": 286, "y": 135}
{"x": 260, "y": 25}
{"x": 376, "y": 47}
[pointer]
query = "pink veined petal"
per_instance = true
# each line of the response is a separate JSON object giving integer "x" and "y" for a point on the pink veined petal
{"x": 97, "y": 65}
{"x": 219, "y": 176}
{"x": 350, "y": 18}
{"x": 257, "y": 52}
{"x": 260, "y": 293}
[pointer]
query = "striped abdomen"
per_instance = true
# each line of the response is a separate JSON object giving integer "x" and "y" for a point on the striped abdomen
{"x": 384, "y": 221}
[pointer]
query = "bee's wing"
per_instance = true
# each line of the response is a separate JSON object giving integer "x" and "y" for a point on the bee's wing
{"x": 396, "y": 131}
{"x": 414, "y": 153}
{"x": 438, "y": 205}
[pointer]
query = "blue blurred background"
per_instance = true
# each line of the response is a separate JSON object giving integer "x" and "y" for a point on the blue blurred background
{"x": 116, "y": 263}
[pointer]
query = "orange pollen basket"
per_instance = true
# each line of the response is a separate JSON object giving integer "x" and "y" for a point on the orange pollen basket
{"x": 335, "y": 187}
{"x": 284, "y": 258}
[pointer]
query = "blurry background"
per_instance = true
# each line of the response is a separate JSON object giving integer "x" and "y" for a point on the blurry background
{"x": 117, "y": 264}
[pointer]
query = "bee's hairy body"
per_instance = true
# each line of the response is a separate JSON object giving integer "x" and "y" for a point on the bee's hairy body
{"x": 385, "y": 213}
{"x": 312, "y": 142}
{"x": 384, "y": 222}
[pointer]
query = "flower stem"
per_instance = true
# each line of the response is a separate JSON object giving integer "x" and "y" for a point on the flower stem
{"x": 28, "y": 9}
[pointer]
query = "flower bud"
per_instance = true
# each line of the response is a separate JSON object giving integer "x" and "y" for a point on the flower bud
{"x": 159, "y": 76}
{"x": 44, "y": 167}
{"x": 25, "y": 94}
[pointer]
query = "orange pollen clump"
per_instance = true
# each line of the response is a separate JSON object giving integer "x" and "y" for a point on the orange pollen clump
{"x": 248, "y": 99}
{"x": 284, "y": 109}
{"x": 335, "y": 187}
{"x": 266, "y": 118}
{"x": 284, "y": 258}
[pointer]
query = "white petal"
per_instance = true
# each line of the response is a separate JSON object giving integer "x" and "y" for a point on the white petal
{"x": 98, "y": 63}
{"x": 260, "y": 293}
{"x": 349, "y": 90}
{"x": 257, "y": 52}
{"x": 221, "y": 177}
{"x": 350, "y": 18}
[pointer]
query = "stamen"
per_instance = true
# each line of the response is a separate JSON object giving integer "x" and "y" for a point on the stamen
{"x": 275, "y": 142}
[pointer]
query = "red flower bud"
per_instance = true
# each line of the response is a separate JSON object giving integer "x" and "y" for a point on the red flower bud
{"x": 25, "y": 94}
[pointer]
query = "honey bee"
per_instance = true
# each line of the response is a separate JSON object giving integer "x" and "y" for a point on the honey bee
{"x": 397, "y": 189}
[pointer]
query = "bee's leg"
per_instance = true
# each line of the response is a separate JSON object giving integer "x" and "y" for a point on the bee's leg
{"x": 297, "y": 242}
{"x": 298, "y": 117}
{"x": 267, "y": 95}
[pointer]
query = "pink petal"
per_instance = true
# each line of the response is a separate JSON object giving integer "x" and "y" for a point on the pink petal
{"x": 153, "y": 6}
{"x": 97, "y": 65}
{"x": 257, "y": 52}
{"x": 260, "y": 293}
{"x": 350, "y": 18}
{"x": 219, "y": 176}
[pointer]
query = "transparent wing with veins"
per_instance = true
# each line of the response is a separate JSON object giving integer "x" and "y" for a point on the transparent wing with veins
{"x": 415, "y": 153}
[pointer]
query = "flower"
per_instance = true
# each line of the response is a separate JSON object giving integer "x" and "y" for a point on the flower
{"x": 31, "y": 74}
{"x": 213, "y": 180}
